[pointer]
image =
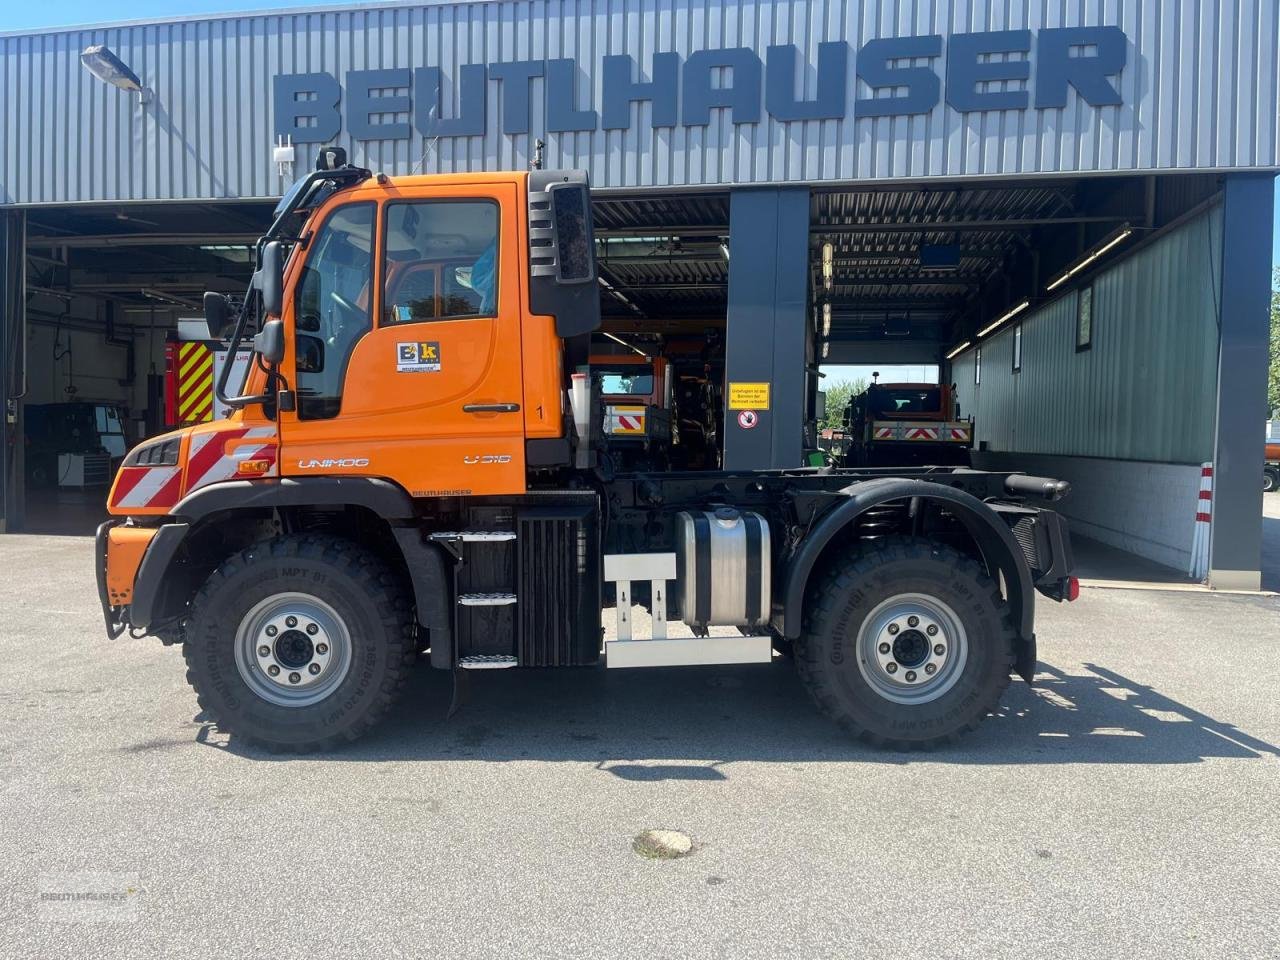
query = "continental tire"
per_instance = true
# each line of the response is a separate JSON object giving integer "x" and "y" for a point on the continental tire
{"x": 906, "y": 643}
{"x": 299, "y": 643}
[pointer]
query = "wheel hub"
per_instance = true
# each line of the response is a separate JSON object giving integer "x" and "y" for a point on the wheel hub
{"x": 293, "y": 649}
{"x": 912, "y": 648}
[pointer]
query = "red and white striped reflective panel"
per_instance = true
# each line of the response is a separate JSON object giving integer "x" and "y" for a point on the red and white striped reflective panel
{"x": 626, "y": 420}
{"x": 208, "y": 461}
{"x": 148, "y": 487}
{"x": 884, "y": 433}
{"x": 959, "y": 433}
{"x": 922, "y": 433}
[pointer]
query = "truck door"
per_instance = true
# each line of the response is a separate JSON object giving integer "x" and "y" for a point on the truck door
{"x": 406, "y": 343}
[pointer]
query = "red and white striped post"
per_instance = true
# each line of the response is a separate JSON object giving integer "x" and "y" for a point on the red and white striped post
{"x": 1199, "y": 566}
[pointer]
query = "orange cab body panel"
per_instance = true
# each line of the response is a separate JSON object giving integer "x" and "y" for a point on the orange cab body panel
{"x": 441, "y": 406}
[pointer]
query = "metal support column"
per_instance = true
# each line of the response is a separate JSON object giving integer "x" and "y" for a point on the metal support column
{"x": 768, "y": 328}
{"x": 13, "y": 364}
{"x": 1235, "y": 553}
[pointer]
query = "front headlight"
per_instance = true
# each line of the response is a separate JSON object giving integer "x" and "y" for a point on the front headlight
{"x": 161, "y": 454}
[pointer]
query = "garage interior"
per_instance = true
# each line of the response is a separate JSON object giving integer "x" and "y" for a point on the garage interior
{"x": 948, "y": 273}
{"x": 105, "y": 286}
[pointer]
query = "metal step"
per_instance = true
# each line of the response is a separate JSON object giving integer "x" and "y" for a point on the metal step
{"x": 474, "y": 536}
{"x": 484, "y": 661}
{"x": 688, "y": 651}
{"x": 486, "y": 599}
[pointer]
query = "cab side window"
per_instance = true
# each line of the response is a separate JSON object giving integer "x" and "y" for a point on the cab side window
{"x": 442, "y": 261}
{"x": 333, "y": 308}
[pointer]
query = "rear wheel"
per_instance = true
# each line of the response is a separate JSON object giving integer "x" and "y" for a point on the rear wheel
{"x": 300, "y": 643}
{"x": 908, "y": 643}
{"x": 1270, "y": 480}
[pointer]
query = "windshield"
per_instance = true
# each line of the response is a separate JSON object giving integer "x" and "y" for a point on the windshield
{"x": 636, "y": 382}
{"x": 900, "y": 400}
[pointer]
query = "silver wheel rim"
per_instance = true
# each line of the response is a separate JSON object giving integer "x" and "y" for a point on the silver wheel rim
{"x": 912, "y": 648}
{"x": 292, "y": 649}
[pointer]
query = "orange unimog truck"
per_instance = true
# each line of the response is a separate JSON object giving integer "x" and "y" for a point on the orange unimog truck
{"x": 907, "y": 424}
{"x": 416, "y": 463}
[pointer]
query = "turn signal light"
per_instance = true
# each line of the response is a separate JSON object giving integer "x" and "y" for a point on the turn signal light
{"x": 255, "y": 468}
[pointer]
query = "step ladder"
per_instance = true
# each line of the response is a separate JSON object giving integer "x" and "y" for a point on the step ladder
{"x": 659, "y": 650}
{"x": 452, "y": 541}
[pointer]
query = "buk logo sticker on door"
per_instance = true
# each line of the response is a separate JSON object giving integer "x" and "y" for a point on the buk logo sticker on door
{"x": 422, "y": 356}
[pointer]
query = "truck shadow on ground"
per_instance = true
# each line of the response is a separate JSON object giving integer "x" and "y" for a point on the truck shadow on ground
{"x": 689, "y": 724}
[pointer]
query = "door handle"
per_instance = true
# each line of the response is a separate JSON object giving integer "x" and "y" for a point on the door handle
{"x": 491, "y": 408}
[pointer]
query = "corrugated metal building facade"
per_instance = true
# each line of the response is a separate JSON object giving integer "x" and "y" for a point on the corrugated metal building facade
{"x": 1153, "y": 348}
{"x": 1199, "y": 91}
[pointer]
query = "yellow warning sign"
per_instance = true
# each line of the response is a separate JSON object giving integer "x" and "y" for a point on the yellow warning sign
{"x": 748, "y": 396}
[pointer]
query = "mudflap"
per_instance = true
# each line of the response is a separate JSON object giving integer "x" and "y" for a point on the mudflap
{"x": 1024, "y": 663}
{"x": 461, "y": 692}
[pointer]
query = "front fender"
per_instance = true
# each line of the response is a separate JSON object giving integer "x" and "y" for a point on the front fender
{"x": 385, "y": 498}
{"x": 156, "y": 592}
{"x": 992, "y": 535}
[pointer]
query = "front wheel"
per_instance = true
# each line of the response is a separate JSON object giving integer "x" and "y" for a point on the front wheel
{"x": 299, "y": 643}
{"x": 908, "y": 643}
{"x": 1270, "y": 480}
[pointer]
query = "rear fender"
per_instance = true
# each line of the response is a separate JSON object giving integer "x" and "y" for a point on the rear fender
{"x": 994, "y": 539}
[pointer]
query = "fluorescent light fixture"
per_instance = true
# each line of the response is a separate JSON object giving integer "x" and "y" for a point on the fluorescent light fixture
{"x": 620, "y": 295}
{"x": 828, "y": 264}
{"x": 1012, "y": 313}
{"x": 161, "y": 297}
{"x": 826, "y": 349}
{"x": 1090, "y": 257}
{"x": 235, "y": 252}
{"x": 958, "y": 349}
{"x": 625, "y": 344}
{"x": 724, "y": 251}
{"x": 826, "y": 319}
{"x": 107, "y": 67}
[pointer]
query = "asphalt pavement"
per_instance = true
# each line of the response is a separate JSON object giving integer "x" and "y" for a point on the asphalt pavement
{"x": 1126, "y": 806}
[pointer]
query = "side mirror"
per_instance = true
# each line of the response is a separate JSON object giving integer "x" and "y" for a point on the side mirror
{"x": 269, "y": 278}
{"x": 217, "y": 315}
{"x": 309, "y": 354}
{"x": 571, "y": 219}
{"x": 269, "y": 343}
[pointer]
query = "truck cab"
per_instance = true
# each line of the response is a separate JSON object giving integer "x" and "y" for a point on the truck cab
{"x": 905, "y": 424}
{"x": 636, "y": 402}
{"x": 419, "y": 462}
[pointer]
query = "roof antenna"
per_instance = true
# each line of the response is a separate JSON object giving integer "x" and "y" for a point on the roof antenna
{"x": 537, "y": 154}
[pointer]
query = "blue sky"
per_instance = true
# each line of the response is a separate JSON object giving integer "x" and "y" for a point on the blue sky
{"x": 56, "y": 13}
{"x": 63, "y": 13}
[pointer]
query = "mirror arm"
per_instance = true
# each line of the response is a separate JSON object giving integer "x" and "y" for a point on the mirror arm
{"x": 220, "y": 387}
